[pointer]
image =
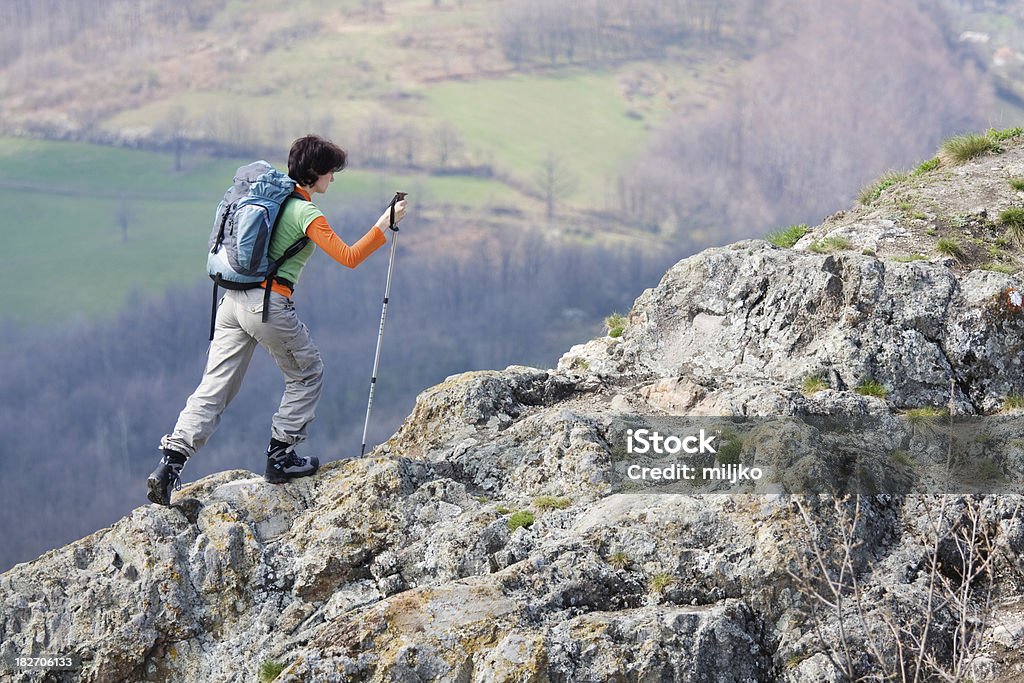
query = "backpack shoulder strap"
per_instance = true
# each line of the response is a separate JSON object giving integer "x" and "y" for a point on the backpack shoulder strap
{"x": 293, "y": 249}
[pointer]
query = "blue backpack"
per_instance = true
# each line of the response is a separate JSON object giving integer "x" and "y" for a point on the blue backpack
{"x": 242, "y": 230}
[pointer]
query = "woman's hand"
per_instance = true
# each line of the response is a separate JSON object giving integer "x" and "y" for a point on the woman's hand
{"x": 384, "y": 222}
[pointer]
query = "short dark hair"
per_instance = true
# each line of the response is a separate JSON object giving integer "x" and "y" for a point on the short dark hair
{"x": 313, "y": 156}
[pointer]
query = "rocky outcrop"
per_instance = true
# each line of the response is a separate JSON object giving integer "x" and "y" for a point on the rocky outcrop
{"x": 487, "y": 540}
{"x": 735, "y": 327}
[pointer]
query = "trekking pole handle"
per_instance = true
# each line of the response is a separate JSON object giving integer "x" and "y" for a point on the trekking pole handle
{"x": 399, "y": 196}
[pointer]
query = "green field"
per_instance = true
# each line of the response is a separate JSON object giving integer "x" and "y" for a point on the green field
{"x": 578, "y": 117}
{"x": 69, "y": 255}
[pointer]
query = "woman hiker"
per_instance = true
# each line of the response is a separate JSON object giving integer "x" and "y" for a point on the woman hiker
{"x": 312, "y": 163}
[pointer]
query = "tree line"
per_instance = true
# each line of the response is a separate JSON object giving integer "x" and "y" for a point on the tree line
{"x": 571, "y": 32}
{"x": 87, "y": 403}
{"x": 26, "y": 25}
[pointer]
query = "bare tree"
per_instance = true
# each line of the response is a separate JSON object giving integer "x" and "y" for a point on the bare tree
{"x": 172, "y": 130}
{"x": 553, "y": 180}
{"x": 124, "y": 216}
{"x": 448, "y": 142}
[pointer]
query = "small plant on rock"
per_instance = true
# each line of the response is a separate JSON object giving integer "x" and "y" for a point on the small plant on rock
{"x": 869, "y": 387}
{"x": 550, "y": 503}
{"x": 918, "y": 416}
{"x": 1013, "y": 402}
{"x": 830, "y": 244}
{"x": 962, "y": 148}
{"x": 787, "y": 237}
{"x": 987, "y": 470}
{"x": 270, "y": 670}
{"x": 901, "y": 457}
{"x": 1005, "y": 134}
{"x": 619, "y": 560}
{"x": 616, "y": 324}
{"x": 1013, "y": 219}
{"x": 813, "y": 384}
{"x": 1004, "y": 268}
{"x": 729, "y": 452}
{"x": 523, "y": 518}
{"x": 579, "y": 364}
{"x": 950, "y": 247}
{"x": 926, "y": 166}
{"x": 871, "y": 193}
{"x": 661, "y": 581}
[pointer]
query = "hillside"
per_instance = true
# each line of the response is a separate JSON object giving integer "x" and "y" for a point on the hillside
{"x": 606, "y": 118}
{"x": 409, "y": 85}
{"x": 497, "y": 536}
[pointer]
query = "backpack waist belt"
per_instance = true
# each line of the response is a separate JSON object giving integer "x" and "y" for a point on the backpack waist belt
{"x": 282, "y": 281}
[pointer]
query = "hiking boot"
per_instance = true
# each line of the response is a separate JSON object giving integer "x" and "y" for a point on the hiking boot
{"x": 165, "y": 477}
{"x": 284, "y": 465}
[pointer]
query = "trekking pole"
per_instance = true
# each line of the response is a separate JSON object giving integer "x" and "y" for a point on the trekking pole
{"x": 399, "y": 196}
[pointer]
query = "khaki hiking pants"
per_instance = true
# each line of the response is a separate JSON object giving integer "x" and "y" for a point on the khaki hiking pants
{"x": 239, "y": 329}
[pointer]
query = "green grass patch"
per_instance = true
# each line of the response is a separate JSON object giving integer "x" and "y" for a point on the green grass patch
{"x": 948, "y": 246}
{"x": 1013, "y": 220}
{"x": 924, "y": 416}
{"x": 813, "y": 384}
{"x": 962, "y": 148}
{"x": 870, "y": 387}
{"x": 551, "y": 503}
{"x": 870, "y": 194}
{"x": 522, "y": 518}
{"x": 830, "y": 244}
{"x": 729, "y": 452}
{"x": 901, "y": 457}
{"x": 619, "y": 560}
{"x": 499, "y": 117}
{"x": 909, "y": 258}
{"x": 1013, "y": 402}
{"x": 616, "y": 324}
{"x": 1004, "y": 268}
{"x": 787, "y": 237}
{"x": 989, "y": 470}
{"x": 581, "y": 364}
{"x": 81, "y": 169}
{"x": 1017, "y": 184}
{"x": 84, "y": 266}
{"x": 925, "y": 412}
{"x": 270, "y": 670}
{"x": 793, "y": 661}
{"x": 1005, "y": 134}
{"x": 926, "y": 167}
{"x": 661, "y": 581}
